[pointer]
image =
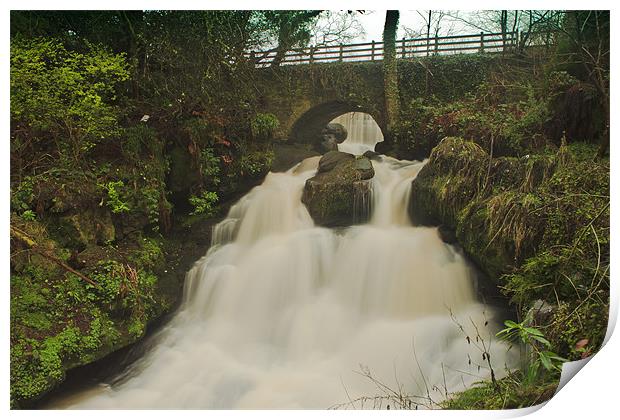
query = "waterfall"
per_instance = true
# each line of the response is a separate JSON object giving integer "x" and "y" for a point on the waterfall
{"x": 363, "y": 133}
{"x": 281, "y": 313}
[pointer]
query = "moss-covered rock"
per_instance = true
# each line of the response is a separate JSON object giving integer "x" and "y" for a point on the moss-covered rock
{"x": 60, "y": 321}
{"x": 448, "y": 182}
{"x": 537, "y": 225}
{"x": 336, "y": 197}
{"x": 330, "y": 160}
{"x": 85, "y": 228}
{"x": 487, "y": 202}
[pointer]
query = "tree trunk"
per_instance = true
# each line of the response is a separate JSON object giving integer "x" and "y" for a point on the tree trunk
{"x": 390, "y": 75}
{"x": 604, "y": 146}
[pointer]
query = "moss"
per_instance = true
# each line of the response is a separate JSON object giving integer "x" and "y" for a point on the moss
{"x": 450, "y": 180}
{"x": 509, "y": 393}
{"x": 575, "y": 322}
{"x": 59, "y": 321}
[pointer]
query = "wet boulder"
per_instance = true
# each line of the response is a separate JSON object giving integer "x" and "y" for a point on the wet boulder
{"x": 332, "y": 159}
{"x": 339, "y": 194}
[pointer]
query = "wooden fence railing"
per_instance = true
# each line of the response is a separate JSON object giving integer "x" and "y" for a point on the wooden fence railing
{"x": 405, "y": 48}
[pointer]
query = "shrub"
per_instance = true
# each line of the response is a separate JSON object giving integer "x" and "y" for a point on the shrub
{"x": 204, "y": 204}
{"x": 65, "y": 95}
{"x": 263, "y": 126}
{"x": 256, "y": 163}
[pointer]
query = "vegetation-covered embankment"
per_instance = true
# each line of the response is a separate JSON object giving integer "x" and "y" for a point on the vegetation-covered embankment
{"x": 522, "y": 189}
{"x": 108, "y": 173}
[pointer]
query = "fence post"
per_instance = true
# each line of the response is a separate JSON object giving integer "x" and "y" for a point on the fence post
{"x": 311, "y": 54}
{"x": 515, "y": 41}
{"x": 403, "y": 47}
{"x": 481, "y": 42}
{"x": 340, "y": 53}
{"x": 436, "y": 45}
{"x": 373, "y": 51}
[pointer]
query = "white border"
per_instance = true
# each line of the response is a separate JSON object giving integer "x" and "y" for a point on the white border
{"x": 590, "y": 395}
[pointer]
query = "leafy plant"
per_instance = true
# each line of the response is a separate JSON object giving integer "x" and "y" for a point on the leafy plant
{"x": 537, "y": 344}
{"x": 22, "y": 197}
{"x": 210, "y": 165}
{"x": 204, "y": 204}
{"x": 256, "y": 163}
{"x": 29, "y": 215}
{"x": 115, "y": 202}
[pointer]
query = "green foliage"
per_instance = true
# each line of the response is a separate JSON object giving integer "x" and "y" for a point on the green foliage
{"x": 149, "y": 255}
{"x": 137, "y": 139}
{"x": 22, "y": 198}
{"x": 115, "y": 201}
{"x": 286, "y": 29}
{"x": 509, "y": 110}
{"x": 263, "y": 126}
{"x": 210, "y": 165}
{"x": 65, "y": 95}
{"x": 573, "y": 262}
{"x": 54, "y": 348}
{"x": 578, "y": 329}
{"x": 257, "y": 163}
{"x": 204, "y": 204}
{"x": 536, "y": 343}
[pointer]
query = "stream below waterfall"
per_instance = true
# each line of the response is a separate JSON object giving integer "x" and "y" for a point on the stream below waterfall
{"x": 281, "y": 313}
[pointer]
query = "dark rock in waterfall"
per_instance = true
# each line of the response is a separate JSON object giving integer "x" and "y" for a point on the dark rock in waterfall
{"x": 372, "y": 155}
{"x": 341, "y": 195}
{"x": 447, "y": 235}
{"x": 331, "y": 136}
{"x": 337, "y": 131}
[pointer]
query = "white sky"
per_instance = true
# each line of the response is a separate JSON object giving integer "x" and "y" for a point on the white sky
{"x": 373, "y": 21}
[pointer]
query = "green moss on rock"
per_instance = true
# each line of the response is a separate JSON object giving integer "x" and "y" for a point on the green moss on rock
{"x": 59, "y": 321}
{"x": 333, "y": 197}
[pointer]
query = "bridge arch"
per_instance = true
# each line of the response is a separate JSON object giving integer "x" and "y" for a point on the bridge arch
{"x": 307, "y": 128}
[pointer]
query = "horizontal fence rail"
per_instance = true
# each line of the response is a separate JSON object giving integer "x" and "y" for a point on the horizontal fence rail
{"x": 405, "y": 48}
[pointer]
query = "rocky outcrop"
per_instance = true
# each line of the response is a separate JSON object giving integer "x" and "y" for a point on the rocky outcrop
{"x": 339, "y": 194}
{"x": 480, "y": 204}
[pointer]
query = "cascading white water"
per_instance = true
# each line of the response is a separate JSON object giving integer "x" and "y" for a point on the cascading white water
{"x": 363, "y": 133}
{"x": 281, "y": 313}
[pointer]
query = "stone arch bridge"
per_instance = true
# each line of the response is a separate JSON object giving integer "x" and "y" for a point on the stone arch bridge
{"x": 307, "y": 97}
